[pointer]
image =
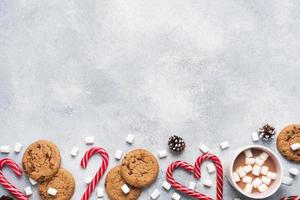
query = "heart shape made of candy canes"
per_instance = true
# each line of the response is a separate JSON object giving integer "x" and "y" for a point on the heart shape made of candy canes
{"x": 196, "y": 170}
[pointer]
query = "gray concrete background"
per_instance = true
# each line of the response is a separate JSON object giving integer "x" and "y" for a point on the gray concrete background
{"x": 208, "y": 71}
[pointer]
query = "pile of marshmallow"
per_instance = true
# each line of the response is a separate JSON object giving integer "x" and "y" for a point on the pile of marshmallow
{"x": 255, "y": 165}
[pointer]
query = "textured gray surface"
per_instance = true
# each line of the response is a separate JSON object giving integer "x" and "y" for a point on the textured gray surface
{"x": 206, "y": 70}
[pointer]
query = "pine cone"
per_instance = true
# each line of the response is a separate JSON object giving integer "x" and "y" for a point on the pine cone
{"x": 267, "y": 132}
{"x": 3, "y": 197}
{"x": 176, "y": 144}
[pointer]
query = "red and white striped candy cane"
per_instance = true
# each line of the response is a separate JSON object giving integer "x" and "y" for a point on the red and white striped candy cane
{"x": 219, "y": 169}
{"x": 291, "y": 198}
{"x": 4, "y": 182}
{"x": 178, "y": 186}
{"x": 100, "y": 172}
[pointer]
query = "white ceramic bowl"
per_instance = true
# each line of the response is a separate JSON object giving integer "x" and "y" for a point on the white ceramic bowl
{"x": 274, "y": 186}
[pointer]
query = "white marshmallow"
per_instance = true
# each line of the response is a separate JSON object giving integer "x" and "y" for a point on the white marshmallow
{"x": 236, "y": 177}
{"x": 294, "y": 171}
{"x": 262, "y": 188}
{"x": 125, "y": 189}
{"x": 287, "y": 180}
{"x": 256, "y": 182}
{"x": 264, "y": 156}
{"x": 264, "y": 170}
{"x": 204, "y": 148}
{"x": 89, "y": 140}
{"x": 18, "y": 147}
{"x": 162, "y": 154}
{"x": 224, "y": 145}
{"x": 33, "y": 182}
{"x": 271, "y": 175}
{"x": 249, "y": 161}
{"x": 247, "y": 179}
{"x": 155, "y": 194}
{"x": 166, "y": 185}
{"x": 207, "y": 182}
{"x": 28, "y": 191}
{"x": 130, "y": 138}
{"x": 247, "y": 168}
{"x": 295, "y": 146}
{"x": 255, "y": 137}
{"x": 192, "y": 185}
{"x": 100, "y": 192}
{"x": 248, "y": 188}
{"x": 52, "y": 191}
{"x": 118, "y": 154}
{"x": 74, "y": 151}
{"x": 266, "y": 180}
{"x": 241, "y": 172}
{"x": 248, "y": 153}
{"x": 176, "y": 196}
{"x": 256, "y": 170}
{"x": 4, "y": 149}
{"x": 211, "y": 168}
{"x": 259, "y": 161}
{"x": 87, "y": 180}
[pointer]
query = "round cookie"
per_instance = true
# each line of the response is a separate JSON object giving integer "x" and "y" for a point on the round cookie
{"x": 113, "y": 184}
{"x": 41, "y": 160}
{"x": 139, "y": 168}
{"x": 288, "y": 136}
{"x": 63, "y": 182}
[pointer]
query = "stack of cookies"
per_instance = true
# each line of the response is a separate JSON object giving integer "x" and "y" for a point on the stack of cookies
{"x": 138, "y": 170}
{"x": 42, "y": 164}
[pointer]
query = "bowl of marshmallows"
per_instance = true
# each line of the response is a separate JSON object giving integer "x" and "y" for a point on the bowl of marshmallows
{"x": 256, "y": 172}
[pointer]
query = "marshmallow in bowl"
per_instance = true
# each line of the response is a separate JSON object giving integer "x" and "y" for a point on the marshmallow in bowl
{"x": 236, "y": 177}
{"x": 264, "y": 170}
{"x": 247, "y": 169}
{"x": 248, "y": 153}
{"x": 264, "y": 156}
{"x": 248, "y": 188}
{"x": 271, "y": 175}
{"x": 266, "y": 180}
{"x": 262, "y": 188}
{"x": 241, "y": 172}
{"x": 247, "y": 179}
{"x": 256, "y": 170}
{"x": 256, "y": 182}
{"x": 259, "y": 161}
{"x": 249, "y": 161}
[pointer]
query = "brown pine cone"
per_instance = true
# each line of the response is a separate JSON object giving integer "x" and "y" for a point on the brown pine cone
{"x": 267, "y": 132}
{"x": 3, "y": 197}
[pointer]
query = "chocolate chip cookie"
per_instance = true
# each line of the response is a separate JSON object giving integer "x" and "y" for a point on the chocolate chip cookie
{"x": 41, "y": 160}
{"x": 288, "y": 136}
{"x": 113, "y": 184}
{"x": 139, "y": 168}
{"x": 63, "y": 182}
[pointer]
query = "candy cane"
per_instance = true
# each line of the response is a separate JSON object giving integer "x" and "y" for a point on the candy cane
{"x": 100, "y": 172}
{"x": 4, "y": 182}
{"x": 219, "y": 168}
{"x": 291, "y": 198}
{"x": 178, "y": 186}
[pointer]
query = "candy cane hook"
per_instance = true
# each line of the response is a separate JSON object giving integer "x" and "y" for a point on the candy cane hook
{"x": 4, "y": 182}
{"x": 100, "y": 172}
{"x": 219, "y": 168}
